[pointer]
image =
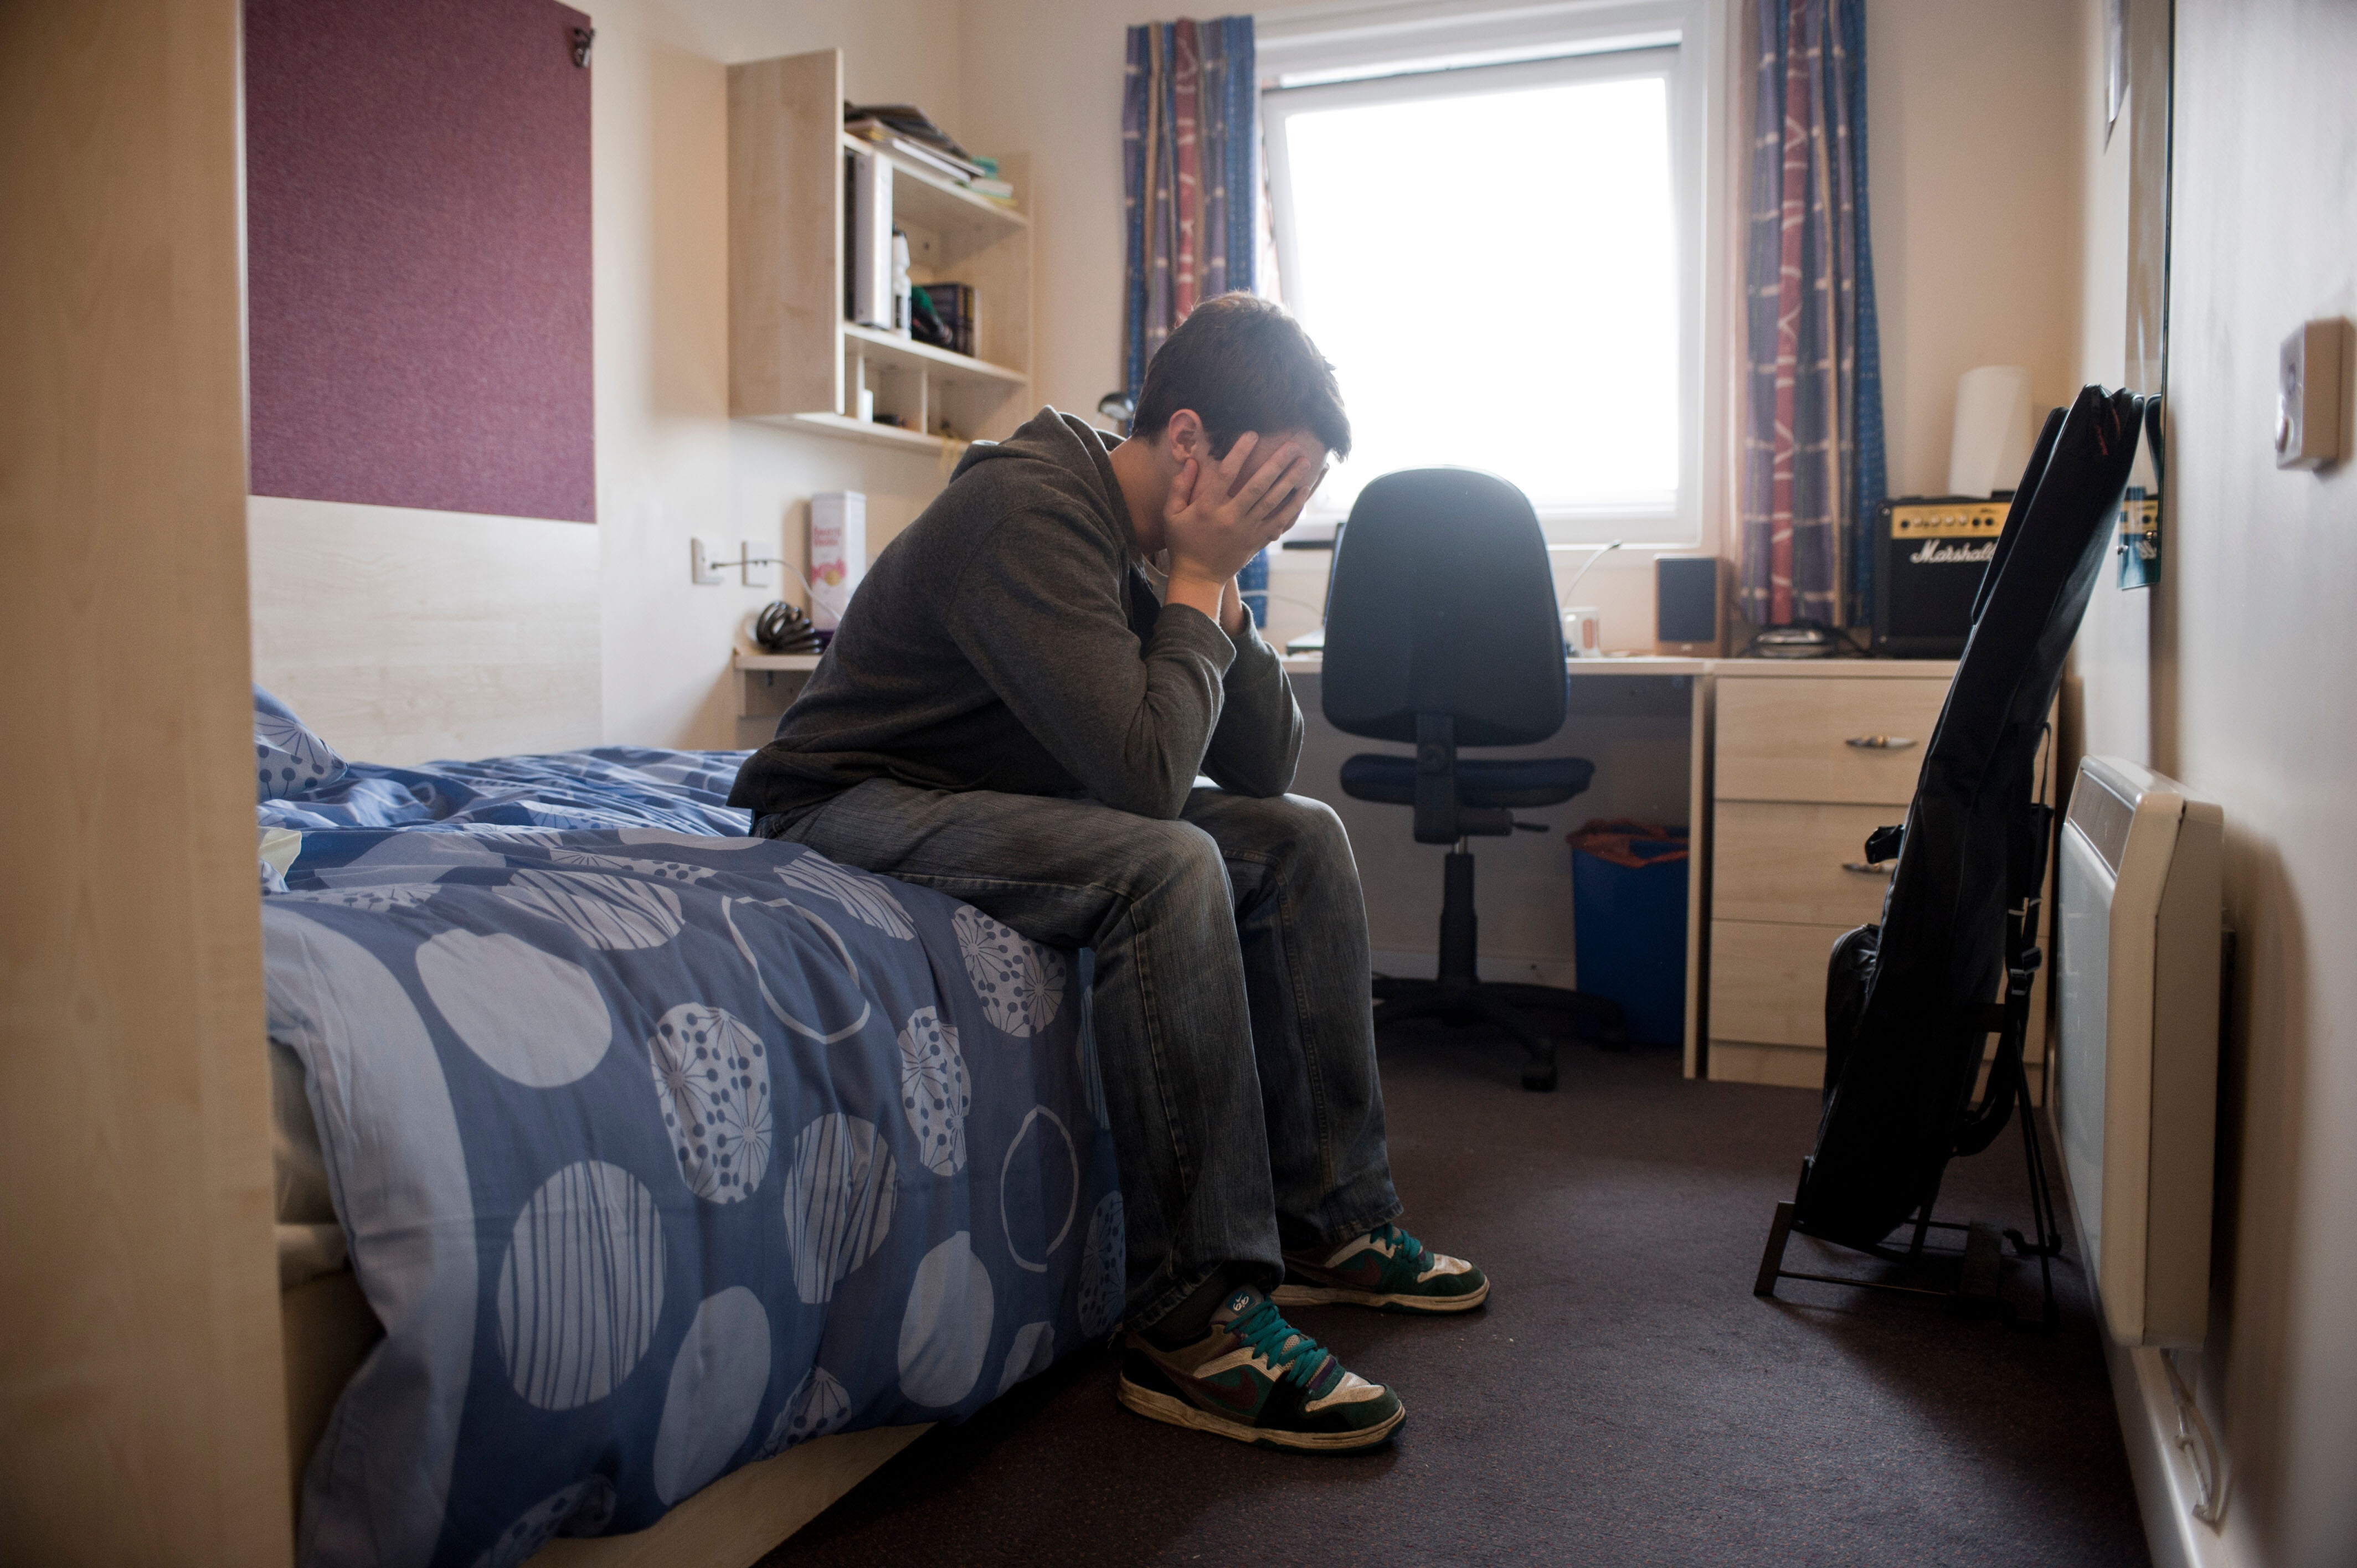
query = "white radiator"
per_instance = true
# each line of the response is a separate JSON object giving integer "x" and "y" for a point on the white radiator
{"x": 2135, "y": 1101}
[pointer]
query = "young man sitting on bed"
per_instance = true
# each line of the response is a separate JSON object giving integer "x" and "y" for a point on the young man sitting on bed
{"x": 1009, "y": 715}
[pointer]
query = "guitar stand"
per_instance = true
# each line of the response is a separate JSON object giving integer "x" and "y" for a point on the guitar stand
{"x": 1980, "y": 1272}
{"x": 1980, "y": 1265}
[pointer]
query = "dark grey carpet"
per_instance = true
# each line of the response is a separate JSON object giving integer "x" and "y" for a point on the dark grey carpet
{"x": 1623, "y": 1400}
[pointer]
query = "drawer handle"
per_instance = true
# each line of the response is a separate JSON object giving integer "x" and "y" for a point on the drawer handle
{"x": 1879, "y": 742}
{"x": 1870, "y": 867}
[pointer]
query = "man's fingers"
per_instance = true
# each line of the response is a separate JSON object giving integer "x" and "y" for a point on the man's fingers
{"x": 1253, "y": 499}
{"x": 1250, "y": 495}
{"x": 1233, "y": 463}
{"x": 1289, "y": 513}
{"x": 1299, "y": 501}
{"x": 1288, "y": 494}
{"x": 1182, "y": 485}
{"x": 1306, "y": 485}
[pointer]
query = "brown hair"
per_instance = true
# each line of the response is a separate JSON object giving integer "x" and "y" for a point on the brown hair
{"x": 1243, "y": 363}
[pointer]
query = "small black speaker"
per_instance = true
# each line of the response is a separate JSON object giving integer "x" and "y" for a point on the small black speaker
{"x": 1931, "y": 552}
{"x": 1690, "y": 606}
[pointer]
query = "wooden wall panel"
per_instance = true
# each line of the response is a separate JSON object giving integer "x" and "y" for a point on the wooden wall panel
{"x": 402, "y": 636}
{"x": 140, "y": 1385}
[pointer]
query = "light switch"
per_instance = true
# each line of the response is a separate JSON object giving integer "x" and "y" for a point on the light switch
{"x": 757, "y": 569}
{"x": 2307, "y": 397}
{"x": 700, "y": 554}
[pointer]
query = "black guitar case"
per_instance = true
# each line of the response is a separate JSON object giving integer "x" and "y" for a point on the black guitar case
{"x": 1909, "y": 1002}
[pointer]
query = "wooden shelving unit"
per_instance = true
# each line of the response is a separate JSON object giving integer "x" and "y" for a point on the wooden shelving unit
{"x": 793, "y": 359}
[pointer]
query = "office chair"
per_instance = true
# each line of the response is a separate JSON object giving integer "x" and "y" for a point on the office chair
{"x": 1441, "y": 630}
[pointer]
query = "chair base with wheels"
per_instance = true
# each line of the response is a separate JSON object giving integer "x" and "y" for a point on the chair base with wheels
{"x": 1483, "y": 794}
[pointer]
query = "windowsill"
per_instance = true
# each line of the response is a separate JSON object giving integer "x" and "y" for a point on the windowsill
{"x": 1307, "y": 536}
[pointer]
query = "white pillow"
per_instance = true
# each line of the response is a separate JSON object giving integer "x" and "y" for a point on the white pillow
{"x": 289, "y": 761}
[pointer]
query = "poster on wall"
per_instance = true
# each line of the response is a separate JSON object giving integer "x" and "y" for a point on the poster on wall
{"x": 2147, "y": 41}
{"x": 418, "y": 255}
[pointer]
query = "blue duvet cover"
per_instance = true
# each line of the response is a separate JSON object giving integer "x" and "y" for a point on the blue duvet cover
{"x": 606, "y": 787}
{"x": 660, "y": 1152}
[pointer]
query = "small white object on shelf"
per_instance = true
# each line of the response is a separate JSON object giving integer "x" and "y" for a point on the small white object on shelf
{"x": 838, "y": 553}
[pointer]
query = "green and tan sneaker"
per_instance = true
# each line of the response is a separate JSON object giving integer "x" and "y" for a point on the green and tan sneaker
{"x": 1255, "y": 1378}
{"x": 1386, "y": 1269}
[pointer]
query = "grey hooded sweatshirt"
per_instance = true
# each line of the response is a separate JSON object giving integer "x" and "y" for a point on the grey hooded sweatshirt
{"x": 1008, "y": 641}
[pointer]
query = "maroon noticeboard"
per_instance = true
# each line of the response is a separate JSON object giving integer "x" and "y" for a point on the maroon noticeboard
{"x": 418, "y": 255}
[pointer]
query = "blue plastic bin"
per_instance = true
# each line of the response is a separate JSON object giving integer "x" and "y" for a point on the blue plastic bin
{"x": 1628, "y": 933}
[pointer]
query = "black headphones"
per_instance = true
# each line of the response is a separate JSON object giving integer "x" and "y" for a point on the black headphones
{"x": 782, "y": 628}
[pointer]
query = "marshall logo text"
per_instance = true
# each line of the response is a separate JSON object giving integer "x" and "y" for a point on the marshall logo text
{"x": 1939, "y": 552}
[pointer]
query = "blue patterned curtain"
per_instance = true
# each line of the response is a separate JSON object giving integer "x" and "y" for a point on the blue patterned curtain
{"x": 1813, "y": 466}
{"x": 1190, "y": 144}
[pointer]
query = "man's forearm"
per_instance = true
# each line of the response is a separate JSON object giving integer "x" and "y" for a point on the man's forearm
{"x": 1205, "y": 594}
{"x": 1256, "y": 747}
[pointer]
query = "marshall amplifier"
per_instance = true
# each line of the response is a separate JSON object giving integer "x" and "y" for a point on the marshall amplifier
{"x": 1934, "y": 551}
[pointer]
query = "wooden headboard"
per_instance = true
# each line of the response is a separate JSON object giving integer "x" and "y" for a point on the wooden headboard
{"x": 402, "y": 636}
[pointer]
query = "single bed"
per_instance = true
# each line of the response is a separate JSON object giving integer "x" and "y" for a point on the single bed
{"x": 621, "y": 1155}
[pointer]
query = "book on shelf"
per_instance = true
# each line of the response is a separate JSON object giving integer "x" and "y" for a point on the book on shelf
{"x": 904, "y": 131}
{"x": 916, "y": 155}
{"x": 906, "y": 120}
{"x": 953, "y": 304}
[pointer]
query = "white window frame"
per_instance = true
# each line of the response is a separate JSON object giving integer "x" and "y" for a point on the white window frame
{"x": 1331, "y": 56}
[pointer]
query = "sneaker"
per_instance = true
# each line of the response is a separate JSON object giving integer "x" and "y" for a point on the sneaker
{"x": 1255, "y": 1378}
{"x": 1386, "y": 1269}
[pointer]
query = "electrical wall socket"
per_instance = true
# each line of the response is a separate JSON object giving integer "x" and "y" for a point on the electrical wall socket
{"x": 2308, "y": 396}
{"x": 701, "y": 553}
{"x": 756, "y": 570}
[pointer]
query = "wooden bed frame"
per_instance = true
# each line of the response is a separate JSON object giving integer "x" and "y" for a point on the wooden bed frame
{"x": 733, "y": 1522}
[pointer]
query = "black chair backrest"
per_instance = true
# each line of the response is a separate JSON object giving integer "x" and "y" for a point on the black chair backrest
{"x": 1443, "y": 603}
{"x": 1903, "y": 1051}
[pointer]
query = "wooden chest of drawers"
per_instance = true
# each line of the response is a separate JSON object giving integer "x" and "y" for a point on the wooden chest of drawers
{"x": 1808, "y": 759}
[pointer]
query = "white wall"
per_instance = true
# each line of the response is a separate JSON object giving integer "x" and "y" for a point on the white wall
{"x": 2230, "y": 676}
{"x": 671, "y": 464}
{"x": 1974, "y": 183}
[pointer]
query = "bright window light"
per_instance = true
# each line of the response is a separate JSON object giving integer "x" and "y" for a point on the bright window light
{"x": 1491, "y": 258}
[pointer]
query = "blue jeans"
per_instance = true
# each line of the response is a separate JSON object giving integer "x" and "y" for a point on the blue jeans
{"x": 1233, "y": 1003}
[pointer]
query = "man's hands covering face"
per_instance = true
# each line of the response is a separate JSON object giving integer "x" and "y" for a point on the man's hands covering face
{"x": 1221, "y": 514}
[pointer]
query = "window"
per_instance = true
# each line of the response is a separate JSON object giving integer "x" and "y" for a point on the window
{"x": 1502, "y": 261}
